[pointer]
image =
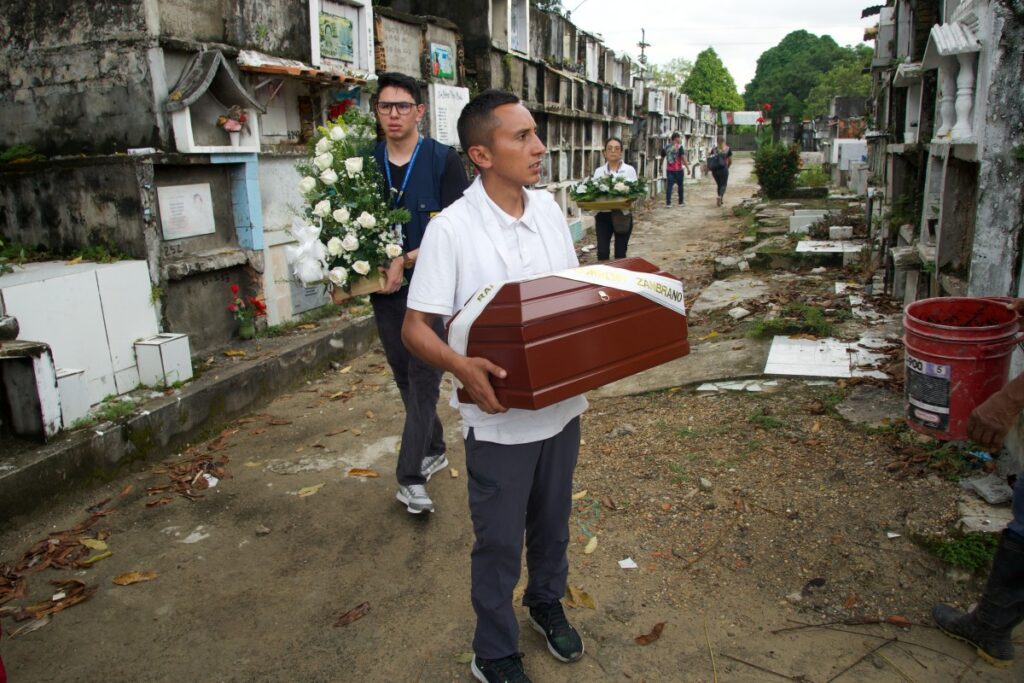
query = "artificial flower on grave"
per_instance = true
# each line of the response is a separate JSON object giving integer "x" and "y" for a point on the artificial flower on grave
{"x": 245, "y": 310}
{"x": 234, "y": 120}
{"x": 348, "y": 229}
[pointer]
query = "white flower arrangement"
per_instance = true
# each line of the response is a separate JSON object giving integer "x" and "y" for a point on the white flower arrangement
{"x": 349, "y": 226}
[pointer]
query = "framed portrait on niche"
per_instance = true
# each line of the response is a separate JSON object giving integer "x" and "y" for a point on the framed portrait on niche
{"x": 441, "y": 63}
{"x": 336, "y": 37}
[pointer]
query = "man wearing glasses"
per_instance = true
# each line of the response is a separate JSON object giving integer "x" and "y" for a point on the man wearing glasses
{"x": 423, "y": 176}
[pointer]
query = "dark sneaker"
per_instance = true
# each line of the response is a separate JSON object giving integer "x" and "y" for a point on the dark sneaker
{"x": 505, "y": 670}
{"x": 563, "y": 640}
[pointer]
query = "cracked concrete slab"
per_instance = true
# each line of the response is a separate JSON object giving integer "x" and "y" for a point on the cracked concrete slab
{"x": 727, "y": 293}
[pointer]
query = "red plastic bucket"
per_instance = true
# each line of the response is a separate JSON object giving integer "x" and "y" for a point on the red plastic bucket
{"x": 957, "y": 355}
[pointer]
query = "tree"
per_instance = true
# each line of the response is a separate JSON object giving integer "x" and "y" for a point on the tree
{"x": 672, "y": 74}
{"x": 549, "y": 6}
{"x": 711, "y": 83}
{"x": 844, "y": 79}
{"x": 788, "y": 72}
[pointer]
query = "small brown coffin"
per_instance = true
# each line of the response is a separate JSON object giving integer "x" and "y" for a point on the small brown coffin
{"x": 558, "y": 338}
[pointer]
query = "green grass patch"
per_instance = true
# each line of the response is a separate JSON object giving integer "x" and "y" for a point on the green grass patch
{"x": 794, "y": 319}
{"x": 679, "y": 475}
{"x": 812, "y": 176}
{"x": 766, "y": 421}
{"x": 112, "y": 411}
{"x": 965, "y": 551}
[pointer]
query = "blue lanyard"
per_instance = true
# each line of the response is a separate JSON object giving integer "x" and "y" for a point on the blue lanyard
{"x": 408, "y": 171}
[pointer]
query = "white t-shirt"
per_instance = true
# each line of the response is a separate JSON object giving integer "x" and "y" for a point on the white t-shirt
{"x": 625, "y": 171}
{"x": 473, "y": 243}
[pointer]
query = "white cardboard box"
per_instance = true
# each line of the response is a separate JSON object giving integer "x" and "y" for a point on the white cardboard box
{"x": 164, "y": 359}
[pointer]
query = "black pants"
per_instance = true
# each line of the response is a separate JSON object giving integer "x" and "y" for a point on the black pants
{"x": 418, "y": 383}
{"x": 721, "y": 177}
{"x": 517, "y": 490}
{"x": 603, "y": 227}
{"x": 674, "y": 177}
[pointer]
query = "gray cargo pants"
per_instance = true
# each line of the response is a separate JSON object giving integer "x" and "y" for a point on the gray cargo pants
{"x": 517, "y": 490}
{"x": 418, "y": 383}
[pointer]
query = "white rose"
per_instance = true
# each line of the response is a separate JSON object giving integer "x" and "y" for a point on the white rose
{"x": 366, "y": 220}
{"x": 338, "y": 132}
{"x": 350, "y": 243}
{"x": 341, "y": 215}
{"x": 361, "y": 267}
{"x": 322, "y": 209}
{"x": 619, "y": 187}
{"x": 307, "y": 185}
{"x": 338, "y": 276}
{"x": 324, "y": 161}
{"x": 329, "y": 177}
{"x": 323, "y": 146}
{"x": 393, "y": 250}
{"x": 334, "y": 246}
{"x": 354, "y": 166}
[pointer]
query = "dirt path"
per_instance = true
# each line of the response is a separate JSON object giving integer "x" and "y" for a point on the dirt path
{"x": 791, "y": 525}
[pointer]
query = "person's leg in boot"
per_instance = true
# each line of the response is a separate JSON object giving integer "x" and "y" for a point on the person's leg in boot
{"x": 499, "y": 481}
{"x": 989, "y": 627}
{"x": 547, "y": 538}
{"x": 603, "y": 228}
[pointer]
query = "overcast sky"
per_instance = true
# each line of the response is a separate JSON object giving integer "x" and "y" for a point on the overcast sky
{"x": 739, "y": 30}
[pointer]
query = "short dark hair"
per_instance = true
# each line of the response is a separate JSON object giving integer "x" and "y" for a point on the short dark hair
{"x": 393, "y": 79}
{"x": 476, "y": 122}
{"x": 614, "y": 139}
{"x": 677, "y": 136}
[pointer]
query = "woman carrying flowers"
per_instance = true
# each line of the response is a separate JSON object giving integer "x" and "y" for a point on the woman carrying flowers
{"x": 617, "y": 222}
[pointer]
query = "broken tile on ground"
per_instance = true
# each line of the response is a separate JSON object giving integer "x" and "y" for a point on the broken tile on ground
{"x": 727, "y": 293}
{"x": 827, "y": 357}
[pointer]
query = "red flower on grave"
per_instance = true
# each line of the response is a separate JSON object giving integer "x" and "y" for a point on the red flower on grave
{"x": 234, "y": 289}
{"x": 768, "y": 106}
{"x": 232, "y": 308}
{"x": 760, "y": 119}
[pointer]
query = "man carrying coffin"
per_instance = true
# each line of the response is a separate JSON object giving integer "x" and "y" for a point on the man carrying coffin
{"x": 520, "y": 462}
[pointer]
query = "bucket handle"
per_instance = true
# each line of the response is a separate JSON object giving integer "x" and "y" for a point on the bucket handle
{"x": 999, "y": 346}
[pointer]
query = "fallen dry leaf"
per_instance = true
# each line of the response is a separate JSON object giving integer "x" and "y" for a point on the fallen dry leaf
{"x": 309, "y": 490}
{"x": 666, "y": 507}
{"x": 257, "y": 432}
{"x": 454, "y": 472}
{"x": 850, "y": 601}
{"x": 463, "y": 657}
{"x": 33, "y": 625}
{"x": 897, "y": 620}
{"x": 363, "y": 472}
{"x": 357, "y": 612}
{"x": 369, "y": 414}
{"x": 649, "y": 638}
{"x": 278, "y": 422}
{"x": 816, "y": 427}
{"x": 356, "y": 432}
{"x": 93, "y": 543}
{"x": 345, "y": 370}
{"x": 97, "y": 558}
{"x": 580, "y": 598}
{"x": 127, "y": 489}
{"x": 234, "y": 353}
{"x": 580, "y": 495}
{"x": 591, "y": 545}
{"x": 250, "y": 463}
{"x": 159, "y": 501}
{"x": 608, "y": 503}
{"x": 134, "y": 577}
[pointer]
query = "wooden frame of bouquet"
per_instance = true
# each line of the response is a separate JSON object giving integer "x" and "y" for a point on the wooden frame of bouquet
{"x": 607, "y": 204}
{"x": 357, "y": 287}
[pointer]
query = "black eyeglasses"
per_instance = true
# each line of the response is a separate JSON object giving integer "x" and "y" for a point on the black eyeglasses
{"x": 403, "y": 108}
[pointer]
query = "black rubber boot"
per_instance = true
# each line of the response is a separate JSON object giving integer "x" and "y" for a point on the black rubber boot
{"x": 990, "y": 625}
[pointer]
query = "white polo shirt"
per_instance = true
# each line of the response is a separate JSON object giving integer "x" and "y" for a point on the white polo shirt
{"x": 625, "y": 171}
{"x": 473, "y": 243}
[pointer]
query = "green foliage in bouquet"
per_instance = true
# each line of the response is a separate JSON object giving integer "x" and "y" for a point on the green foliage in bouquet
{"x": 608, "y": 187}
{"x": 341, "y": 186}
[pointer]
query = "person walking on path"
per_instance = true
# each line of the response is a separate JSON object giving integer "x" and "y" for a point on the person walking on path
{"x": 423, "y": 176}
{"x": 719, "y": 161}
{"x": 617, "y": 223}
{"x": 989, "y": 627}
{"x": 520, "y": 463}
{"x": 676, "y": 168}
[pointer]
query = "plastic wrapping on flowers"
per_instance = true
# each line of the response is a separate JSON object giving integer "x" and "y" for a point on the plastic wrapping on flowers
{"x": 608, "y": 187}
{"x": 348, "y": 229}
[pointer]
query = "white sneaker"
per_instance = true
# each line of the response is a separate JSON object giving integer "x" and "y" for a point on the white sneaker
{"x": 415, "y": 499}
{"x": 433, "y": 464}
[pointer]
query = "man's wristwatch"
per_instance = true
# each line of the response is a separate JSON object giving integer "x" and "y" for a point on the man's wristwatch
{"x": 407, "y": 260}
